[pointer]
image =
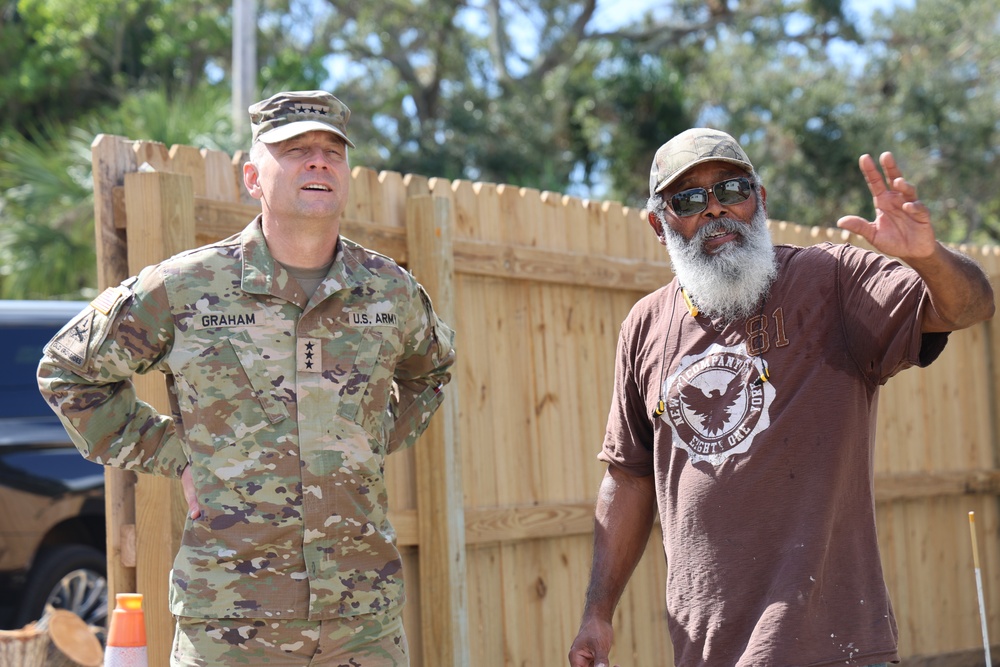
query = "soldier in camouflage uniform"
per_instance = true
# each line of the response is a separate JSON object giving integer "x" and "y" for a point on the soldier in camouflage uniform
{"x": 296, "y": 361}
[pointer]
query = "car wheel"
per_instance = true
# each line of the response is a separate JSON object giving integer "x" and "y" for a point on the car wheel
{"x": 71, "y": 577}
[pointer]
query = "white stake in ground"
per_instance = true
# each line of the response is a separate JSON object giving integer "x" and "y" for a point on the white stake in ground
{"x": 979, "y": 588}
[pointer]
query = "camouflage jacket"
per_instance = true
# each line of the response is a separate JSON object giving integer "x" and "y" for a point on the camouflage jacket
{"x": 285, "y": 409}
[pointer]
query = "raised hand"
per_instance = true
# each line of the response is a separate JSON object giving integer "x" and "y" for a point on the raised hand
{"x": 902, "y": 225}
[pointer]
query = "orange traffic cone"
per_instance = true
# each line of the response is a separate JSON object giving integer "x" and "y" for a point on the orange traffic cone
{"x": 126, "y": 645}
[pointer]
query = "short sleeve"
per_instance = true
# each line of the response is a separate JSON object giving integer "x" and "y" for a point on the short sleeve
{"x": 628, "y": 439}
{"x": 883, "y": 303}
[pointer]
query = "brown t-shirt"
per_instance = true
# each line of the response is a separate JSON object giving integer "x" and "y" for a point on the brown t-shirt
{"x": 765, "y": 488}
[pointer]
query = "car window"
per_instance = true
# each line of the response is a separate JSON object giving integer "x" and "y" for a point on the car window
{"x": 25, "y": 328}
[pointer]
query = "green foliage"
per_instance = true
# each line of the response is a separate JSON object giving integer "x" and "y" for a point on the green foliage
{"x": 46, "y": 217}
{"x": 540, "y": 93}
{"x": 46, "y": 198}
{"x": 200, "y": 118}
{"x": 64, "y": 58}
{"x": 626, "y": 105}
{"x": 938, "y": 83}
{"x": 802, "y": 131}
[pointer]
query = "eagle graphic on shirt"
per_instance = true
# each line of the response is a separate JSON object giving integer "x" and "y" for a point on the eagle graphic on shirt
{"x": 714, "y": 407}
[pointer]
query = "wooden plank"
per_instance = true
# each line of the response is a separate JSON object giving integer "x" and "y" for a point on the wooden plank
{"x": 486, "y": 618}
{"x": 466, "y": 199}
{"x": 361, "y": 194}
{"x": 569, "y": 268}
{"x": 220, "y": 178}
{"x": 188, "y": 160}
{"x": 892, "y": 487}
{"x": 444, "y": 606}
{"x": 393, "y": 191}
{"x": 111, "y": 158}
{"x": 503, "y": 260}
{"x": 216, "y": 220}
{"x": 161, "y": 208}
{"x": 568, "y": 311}
{"x": 240, "y": 158}
{"x": 489, "y": 222}
{"x": 477, "y": 216}
{"x": 512, "y": 523}
{"x": 482, "y": 328}
{"x": 543, "y": 613}
{"x": 151, "y": 155}
{"x": 412, "y": 616}
{"x": 487, "y": 525}
{"x": 893, "y": 554}
{"x": 640, "y": 619}
{"x": 593, "y": 355}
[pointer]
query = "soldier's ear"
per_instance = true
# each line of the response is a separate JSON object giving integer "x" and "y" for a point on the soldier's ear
{"x": 251, "y": 179}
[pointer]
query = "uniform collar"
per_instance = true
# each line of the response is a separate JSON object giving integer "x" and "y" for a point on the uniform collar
{"x": 263, "y": 275}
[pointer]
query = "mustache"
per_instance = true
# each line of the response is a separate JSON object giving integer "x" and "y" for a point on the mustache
{"x": 723, "y": 225}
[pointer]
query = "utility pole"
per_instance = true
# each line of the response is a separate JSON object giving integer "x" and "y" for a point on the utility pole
{"x": 244, "y": 63}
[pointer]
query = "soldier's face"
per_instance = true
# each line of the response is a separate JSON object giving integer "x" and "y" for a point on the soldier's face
{"x": 307, "y": 176}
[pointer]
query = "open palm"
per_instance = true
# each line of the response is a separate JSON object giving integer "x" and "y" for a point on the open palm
{"x": 902, "y": 225}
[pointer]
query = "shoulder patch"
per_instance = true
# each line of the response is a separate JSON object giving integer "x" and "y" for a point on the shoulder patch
{"x": 73, "y": 341}
{"x": 88, "y": 330}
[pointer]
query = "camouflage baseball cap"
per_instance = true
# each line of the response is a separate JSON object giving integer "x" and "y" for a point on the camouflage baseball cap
{"x": 693, "y": 147}
{"x": 292, "y": 113}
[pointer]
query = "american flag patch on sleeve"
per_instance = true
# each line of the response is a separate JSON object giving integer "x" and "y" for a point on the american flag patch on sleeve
{"x": 107, "y": 299}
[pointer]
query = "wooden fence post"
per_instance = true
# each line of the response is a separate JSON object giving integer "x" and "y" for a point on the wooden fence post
{"x": 430, "y": 224}
{"x": 161, "y": 222}
{"x": 111, "y": 158}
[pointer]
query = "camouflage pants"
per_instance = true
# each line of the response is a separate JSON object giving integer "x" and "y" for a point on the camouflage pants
{"x": 372, "y": 640}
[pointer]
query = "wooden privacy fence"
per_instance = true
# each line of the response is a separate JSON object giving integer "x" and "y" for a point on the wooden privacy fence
{"x": 494, "y": 506}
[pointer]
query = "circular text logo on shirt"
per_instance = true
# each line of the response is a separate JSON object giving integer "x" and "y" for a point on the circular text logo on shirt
{"x": 715, "y": 407}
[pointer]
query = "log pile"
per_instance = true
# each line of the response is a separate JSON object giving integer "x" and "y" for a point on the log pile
{"x": 59, "y": 639}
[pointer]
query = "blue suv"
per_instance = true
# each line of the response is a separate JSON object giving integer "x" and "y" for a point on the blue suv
{"x": 52, "y": 516}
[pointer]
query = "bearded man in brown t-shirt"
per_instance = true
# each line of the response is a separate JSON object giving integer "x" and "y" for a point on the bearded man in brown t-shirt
{"x": 744, "y": 413}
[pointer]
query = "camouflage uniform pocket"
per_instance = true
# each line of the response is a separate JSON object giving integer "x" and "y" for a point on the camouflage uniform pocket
{"x": 365, "y": 395}
{"x": 228, "y": 393}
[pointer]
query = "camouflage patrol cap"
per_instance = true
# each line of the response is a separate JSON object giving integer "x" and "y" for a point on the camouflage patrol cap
{"x": 291, "y": 113}
{"x": 692, "y": 147}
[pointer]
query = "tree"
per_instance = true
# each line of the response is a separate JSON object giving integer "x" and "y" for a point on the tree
{"x": 46, "y": 217}
{"x": 63, "y": 58}
{"x": 535, "y": 93}
{"x": 937, "y": 86}
{"x": 562, "y": 95}
{"x": 46, "y": 186}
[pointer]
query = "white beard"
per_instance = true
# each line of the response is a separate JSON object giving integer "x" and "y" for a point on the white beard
{"x": 730, "y": 284}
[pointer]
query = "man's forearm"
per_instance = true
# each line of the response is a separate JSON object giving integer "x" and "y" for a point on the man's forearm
{"x": 109, "y": 425}
{"x": 626, "y": 507}
{"x": 960, "y": 291}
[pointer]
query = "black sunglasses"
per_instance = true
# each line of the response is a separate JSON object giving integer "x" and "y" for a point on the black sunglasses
{"x": 695, "y": 200}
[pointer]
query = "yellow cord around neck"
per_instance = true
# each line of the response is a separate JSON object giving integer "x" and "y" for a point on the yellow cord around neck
{"x": 693, "y": 309}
